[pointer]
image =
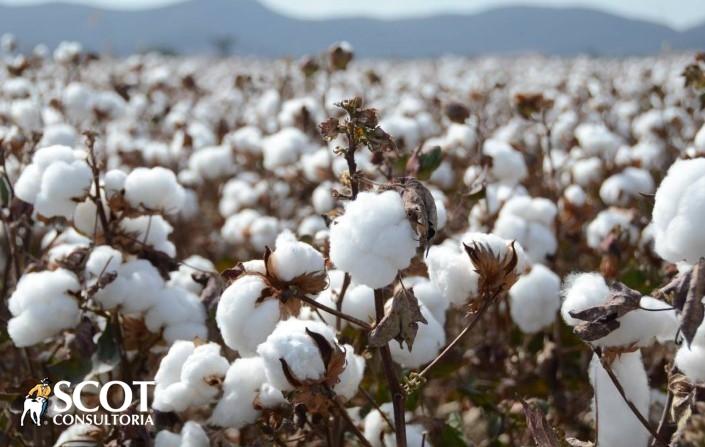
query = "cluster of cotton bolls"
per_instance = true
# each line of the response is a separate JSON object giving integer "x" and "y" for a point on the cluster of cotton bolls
{"x": 190, "y": 168}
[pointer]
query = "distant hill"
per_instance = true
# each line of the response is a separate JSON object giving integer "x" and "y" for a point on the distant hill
{"x": 246, "y": 27}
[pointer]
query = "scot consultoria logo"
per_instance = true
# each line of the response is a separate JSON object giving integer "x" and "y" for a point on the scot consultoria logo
{"x": 67, "y": 406}
{"x": 36, "y": 402}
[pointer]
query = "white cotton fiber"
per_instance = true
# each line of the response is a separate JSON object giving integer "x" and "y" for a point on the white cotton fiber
{"x": 535, "y": 298}
{"x": 154, "y": 189}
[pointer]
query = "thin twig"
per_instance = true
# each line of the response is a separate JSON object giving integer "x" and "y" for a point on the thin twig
{"x": 398, "y": 394}
{"x": 663, "y": 424}
{"x": 377, "y": 407}
{"x": 341, "y": 297}
{"x": 330, "y": 310}
{"x": 630, "y": 404}
{"x": 344, "y": 413}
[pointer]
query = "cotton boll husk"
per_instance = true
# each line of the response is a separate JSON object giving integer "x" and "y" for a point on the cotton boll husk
{"x": 351, "y": 376}
{"x": 152, "y": 230}
{"x": 243, "y": 380}
{"x": 373, "y": 240}
{"x": 621, "y": 188}
{"x": 617, "y": 424}
{"x": 242, "y": 321}
{"x": 451, "y": 271}
{"x": 290, "y": 342}
{"x": 292, "y": 258}
{"x": 41, "y": 306}
{"x": 534, "y": 299}
{"x": 429, "y": 340}
{"x": 605, "y": 221}
{"x": 359, "y": 300}
{"x": 192, "y": 435}
{"x": 499, "y": 246}
{"x": 155, "y": 189}
{"x": 678, "y": 212}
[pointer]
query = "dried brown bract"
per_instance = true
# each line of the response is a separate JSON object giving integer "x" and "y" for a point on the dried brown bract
{"x": 401, "y": 321}
{"x": 600, "y": 321}
{"x": 497, "y": 274}
{"x": 528, "y": 105}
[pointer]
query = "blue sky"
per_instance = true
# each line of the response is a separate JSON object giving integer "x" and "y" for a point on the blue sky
{"x": 677, "y": 13}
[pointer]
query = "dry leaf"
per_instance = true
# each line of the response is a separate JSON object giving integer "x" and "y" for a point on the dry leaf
{"x": 420, "y": 209}
{"x": 693, "y": 310}
{"x": 401, "y": 321}
{"x": 599, "y": 321}
{"x": 541, "y": 432}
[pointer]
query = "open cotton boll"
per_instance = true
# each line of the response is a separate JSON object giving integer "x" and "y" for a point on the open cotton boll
{"x": 508, "y": 165}
{"x": 67, "y": 52}
{"x": 284, "y": 147}
{"x": 587, "y": 171}
{"x": 679, "y": 211}
{"x": 240, "y": 192}
{"x": 617, "y": 424}
{"x": 451, "y": 271}
{"x": 311, "y": 225}
{"x": 58, "y": 134}
{"x": 529, "y": 222}
{"x": 405, "y": 130}
{"x": 292, "y": 258}
{"x": 114, "y": 182}
{"x": 183, "y": 276}
{"x": 317, "y": 165}
{"x": 351, "y": 376}
{"x": 432, "y": 297}
{"x": 62, "y": 186}
{"x": 42, "y": 305}
{"x": 179, "y": 313}
{"x": 373, "y": 239}
{"x": 155, "y": 189}
{"x": 377, "y": 431}
{"x": 291, "y": 343}
{"x": 26, "y": 113}
{"x": 134, "y": 289}
{"x": 597, "y": 139}
{"x": 192, "y": 435}
{"x": 103, "y": 259}
{"x": 575, "y": 195}
{"x": 243, "y": 381}
{"x": 151, "y": 230}
{"x": 322, "y": 198}
{"x": 247, "y": 139}
{"x": 242, "y": 321}
{"x": 297, "y": 110}
{"x": 29, "y": 184}
{"x": 430, "y": 338}
{"x": 212, "y": 162}
{"x": 691, "y": 361}
{"x": 359, "y": 300}
{"x": 189, "y": 376}
{"x": 606, "y": 221}
{"x": 80, "y": 435}
{"x": 85, "y": 218}
{"x": 534, "y": 299}
{"x": 636, "y": 328}
{"x": 621, "y": 188}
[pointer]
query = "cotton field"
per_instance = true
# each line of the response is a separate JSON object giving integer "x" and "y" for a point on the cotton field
{"x": 336, "y": 251}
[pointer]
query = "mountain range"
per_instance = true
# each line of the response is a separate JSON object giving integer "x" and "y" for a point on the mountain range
{"x": 247, "y": 27}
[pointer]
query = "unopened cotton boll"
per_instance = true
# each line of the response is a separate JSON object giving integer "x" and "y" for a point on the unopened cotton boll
{"x": 189, "y": 376}
{"x": 679, "y": 211}
{"x": 290, "y": 342}
{"x": 43, "y": 305}
{"x": 373, "y": 239}
{"x": 534, "y": 299}
{"x": 192, "y": 435}
{"x": 617, "y": 424}
{"x": 155, "y": 189}
{"x": 243, "y": 322}
{"x": 621, "y": 188}
{"x": 429, "y": 340}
